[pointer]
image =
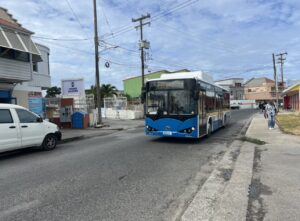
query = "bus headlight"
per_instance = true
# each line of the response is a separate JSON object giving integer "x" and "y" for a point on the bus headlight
{"x": 189, "y": 130}
{"x": 150, "y": 128}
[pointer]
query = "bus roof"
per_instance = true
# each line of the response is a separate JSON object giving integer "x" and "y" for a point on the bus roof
{"x": 197, "y": 75}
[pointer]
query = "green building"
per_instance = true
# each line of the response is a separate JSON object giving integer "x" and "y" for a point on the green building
{"x": 133, "y": 85}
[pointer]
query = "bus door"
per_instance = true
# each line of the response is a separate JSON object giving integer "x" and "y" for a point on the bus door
{"x": 202, "y": 113}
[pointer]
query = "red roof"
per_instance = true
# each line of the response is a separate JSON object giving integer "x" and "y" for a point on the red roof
{"x": 14, "y": 26}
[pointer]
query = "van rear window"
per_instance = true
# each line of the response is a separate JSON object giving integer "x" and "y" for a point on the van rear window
{"x": 5, "y": 117}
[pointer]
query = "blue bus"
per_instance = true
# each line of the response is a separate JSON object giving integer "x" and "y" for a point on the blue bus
{"x": 186, "y": 105}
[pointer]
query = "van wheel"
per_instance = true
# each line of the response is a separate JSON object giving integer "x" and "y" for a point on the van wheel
{"x": 49, "y": 142}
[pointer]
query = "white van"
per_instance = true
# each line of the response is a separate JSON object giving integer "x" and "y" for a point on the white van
{"x": 20, "y": 128}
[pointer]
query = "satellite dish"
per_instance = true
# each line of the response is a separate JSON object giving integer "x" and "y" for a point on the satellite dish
{"x": 107, "y": 65}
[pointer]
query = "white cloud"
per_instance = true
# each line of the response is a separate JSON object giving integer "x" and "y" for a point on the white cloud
{"x": 226, "y": 38}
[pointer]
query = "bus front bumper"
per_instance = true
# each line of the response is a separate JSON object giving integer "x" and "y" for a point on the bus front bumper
{"x": 171, "y": 134}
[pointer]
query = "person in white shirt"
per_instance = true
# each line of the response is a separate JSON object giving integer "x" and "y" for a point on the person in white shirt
{"x": 270, "y": 112}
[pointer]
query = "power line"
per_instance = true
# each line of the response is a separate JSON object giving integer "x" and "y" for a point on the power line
{"x": 107, "y": 22}
{"x": 66, "y": 47}
{"x": 177, "y": 7}
{"x": 193, "y": 37}
{"x": 112, "y": 34}
{"x": 281, "y": 60}
{"x": 120, "y": 47}
{"x": 156, "y": 17}
{"x": 75, "y": 15}
{"x": 143, "y": 43}
{"x": 62, "y": 39}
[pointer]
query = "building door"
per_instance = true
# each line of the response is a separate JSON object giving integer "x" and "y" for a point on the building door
{"x": 202, "y": 113}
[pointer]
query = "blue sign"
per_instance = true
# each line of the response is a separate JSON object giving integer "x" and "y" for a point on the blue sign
{"x": 35, "y": 105}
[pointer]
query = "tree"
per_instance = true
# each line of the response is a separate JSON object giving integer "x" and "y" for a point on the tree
{"x": 106, "y": 90}
{"x": 53, "y": 91}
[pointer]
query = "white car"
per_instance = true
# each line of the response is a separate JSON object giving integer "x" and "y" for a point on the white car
{"x": 20, "y": 128}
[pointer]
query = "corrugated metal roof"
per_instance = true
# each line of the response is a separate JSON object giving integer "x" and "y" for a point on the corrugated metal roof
{"x": 14, "y": 40}
{"x": 29, "y": 44}
{"x": 3, "y": 41}
{"x": 21, "y": 42}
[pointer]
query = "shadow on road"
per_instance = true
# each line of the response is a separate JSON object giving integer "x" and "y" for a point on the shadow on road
{"x": 18, "y": 153}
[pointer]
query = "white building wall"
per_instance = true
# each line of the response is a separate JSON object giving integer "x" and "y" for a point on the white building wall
{"x": 42, "y": 78}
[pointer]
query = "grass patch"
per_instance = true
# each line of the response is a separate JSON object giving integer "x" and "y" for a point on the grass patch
{"x": 252, "y": 140}
{"x": 289, "y": 123}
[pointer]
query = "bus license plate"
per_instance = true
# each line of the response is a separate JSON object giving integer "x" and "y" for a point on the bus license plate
{"x": 169, "y": 133}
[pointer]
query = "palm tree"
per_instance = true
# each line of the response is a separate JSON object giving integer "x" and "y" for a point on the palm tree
{"x": 106, "y": 90}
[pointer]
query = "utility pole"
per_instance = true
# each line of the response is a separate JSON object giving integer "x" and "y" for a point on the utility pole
{"x": 276, "y": 81}
{"x": 97, "y": 64}
{"x": 143, "y": 44}
{"x": 281, "y": 60}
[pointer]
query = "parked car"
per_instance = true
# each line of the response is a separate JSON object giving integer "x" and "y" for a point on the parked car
{"x": 20, "y": 128}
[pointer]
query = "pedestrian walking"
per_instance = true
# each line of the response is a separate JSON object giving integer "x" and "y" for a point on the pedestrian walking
{"x": 260, "y": 106}
{"x": 270, "y": 112}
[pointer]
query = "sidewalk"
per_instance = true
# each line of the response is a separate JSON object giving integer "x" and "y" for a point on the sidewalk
{"x": 277, "y": 168}
{"x": 263, "y": 181}
{"x": 111, "y": 126}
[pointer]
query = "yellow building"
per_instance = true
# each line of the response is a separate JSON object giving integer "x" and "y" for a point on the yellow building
{"x": 291, "y": 97}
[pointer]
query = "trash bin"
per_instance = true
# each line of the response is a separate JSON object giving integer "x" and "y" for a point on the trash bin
{"x": 80, "y": 120}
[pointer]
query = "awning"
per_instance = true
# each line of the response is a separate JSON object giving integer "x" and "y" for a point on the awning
{"x": 20, "y": 42}
{"x": 293, "y": 88}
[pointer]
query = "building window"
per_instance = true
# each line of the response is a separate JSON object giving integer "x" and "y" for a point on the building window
{"x": 13, "y": 54}
{"x": 5, "y": 117}
{"x": 35, "y": 67}
{"x": 249, "y": 90}
{"x": 238, "y": 84}
{"x": 26, "y": 117}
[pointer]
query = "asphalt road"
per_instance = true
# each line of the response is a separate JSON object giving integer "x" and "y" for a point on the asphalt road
{"x": 122, "y": 176}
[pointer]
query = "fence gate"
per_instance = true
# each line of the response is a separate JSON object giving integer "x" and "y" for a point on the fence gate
{"x": 115, "y": 105}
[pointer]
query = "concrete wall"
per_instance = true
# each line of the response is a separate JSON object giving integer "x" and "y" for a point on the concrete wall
{"x": 122, "y": 114}
{"x": 22, "y": 98}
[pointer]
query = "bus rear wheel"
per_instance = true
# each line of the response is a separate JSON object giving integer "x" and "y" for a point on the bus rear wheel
{"x": 225, "y": 121}
{"x": 209, "y": 129}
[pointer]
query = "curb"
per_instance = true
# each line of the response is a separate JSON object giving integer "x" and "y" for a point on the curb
{"x": 66, "y": 140}
{"x": 227, "y": 198}
{"x": 247, "y": 125}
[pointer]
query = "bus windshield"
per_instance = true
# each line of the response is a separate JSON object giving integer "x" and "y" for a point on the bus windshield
{"x": 170, "y": 102}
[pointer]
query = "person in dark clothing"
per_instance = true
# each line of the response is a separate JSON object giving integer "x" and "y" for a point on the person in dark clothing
{"x": 260, "y": 106}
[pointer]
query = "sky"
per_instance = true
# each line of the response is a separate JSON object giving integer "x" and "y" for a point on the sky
{"x": 225, "y": 38}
